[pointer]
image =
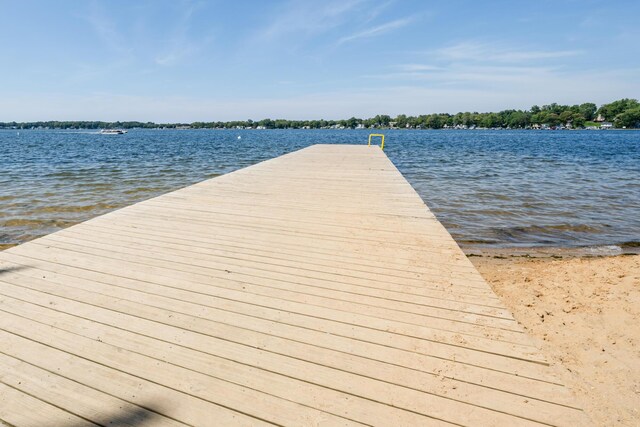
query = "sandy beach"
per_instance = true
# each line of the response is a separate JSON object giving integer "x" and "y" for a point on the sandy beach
{"x": 585, "y": 312}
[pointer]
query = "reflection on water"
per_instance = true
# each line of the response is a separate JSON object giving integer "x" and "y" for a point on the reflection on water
{"x": 490, "y": 188}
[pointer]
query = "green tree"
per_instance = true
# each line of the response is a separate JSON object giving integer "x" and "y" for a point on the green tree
{"x": 401, "y": 121}
{"x": 491, "y": 120}
{"x": 434, "y": 122}
{"x": 382, "y": 120}
{"x": 565, "y": 116}
{"x": 553, "y": 119}
{"x": 629, "y": 119}
{"x": 267, "y": 123}
{"x": 352, "y": 122}
{"x": 588, "y": 110}
{"x": 539, "y": 118}
{"x": 610, "y": 111}
{"x": 577, "y": 120}
{"x": 518, "y": 119}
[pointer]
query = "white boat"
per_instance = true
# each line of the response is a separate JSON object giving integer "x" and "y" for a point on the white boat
{"x": 113, "y": 131}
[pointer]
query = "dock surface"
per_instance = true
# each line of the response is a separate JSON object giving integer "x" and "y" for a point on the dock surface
{"x": 315, "y": 288}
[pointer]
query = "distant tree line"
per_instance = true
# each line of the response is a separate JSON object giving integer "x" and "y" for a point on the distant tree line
{"x": 624, "y": 113}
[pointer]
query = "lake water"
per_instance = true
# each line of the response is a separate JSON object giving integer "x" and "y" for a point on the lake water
{"x": 489, "y": 188}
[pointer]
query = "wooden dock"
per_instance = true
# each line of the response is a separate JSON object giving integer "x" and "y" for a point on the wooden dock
{"x": 311, "y": 289}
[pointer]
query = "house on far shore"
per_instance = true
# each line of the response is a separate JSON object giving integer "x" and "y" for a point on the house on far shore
{"x": 599, "y": 119}
{"x": 606, "y": 125}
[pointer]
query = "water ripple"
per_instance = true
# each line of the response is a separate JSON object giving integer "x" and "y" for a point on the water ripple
{"x": 491, "y": 188}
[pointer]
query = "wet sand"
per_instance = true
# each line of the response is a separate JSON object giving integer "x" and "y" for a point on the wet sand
{"x": 586, "y": 312}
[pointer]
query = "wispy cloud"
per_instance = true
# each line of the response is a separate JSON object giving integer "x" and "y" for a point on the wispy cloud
{"x": 417, "y": 67}
{"x": 407, "y": 71}
{"x": 468, "y": 75}
{"x": 308, "y": 18}
{"x": 365, "y": 102}
{"x": 105, "y": 28}
{"x": 486, "y": 51}
{"x": 376, "y": 31}
{"x": 116, "y": 50}
{"x": 481, "y": 64}
{"x": 179, "y": 44}
{"x": 377, "y": 10}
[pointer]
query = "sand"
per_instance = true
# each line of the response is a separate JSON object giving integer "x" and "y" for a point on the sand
{"x": 585, "y": 312}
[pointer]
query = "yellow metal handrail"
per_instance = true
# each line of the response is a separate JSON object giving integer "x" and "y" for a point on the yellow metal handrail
{"x": 381, "y": 137}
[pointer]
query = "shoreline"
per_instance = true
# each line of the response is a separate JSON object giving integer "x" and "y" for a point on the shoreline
{"x": 497, "y": 251}
{"x": 472, "y": 251}
{"x": 584, "y": 311}
{"x": 97, "y": 130}
{"x": 587, "y": 251}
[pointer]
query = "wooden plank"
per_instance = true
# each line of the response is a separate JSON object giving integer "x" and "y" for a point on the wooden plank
{"x": 237, "y": 252}
{"x": 257, "y": 322}
{"x": 414, "y": 279}
{"x": 131, "y": 388}
{"x": 449, "y": 341}
{"x": 20, "y": 409}
{"x": 433, "y": 385}
{"x": 312, "y": 255}
{"x": 459, "y": 320}
{"x": 260, "y": 406}
{"x": 90, "y": 404}
{"x": 311, "y": 289}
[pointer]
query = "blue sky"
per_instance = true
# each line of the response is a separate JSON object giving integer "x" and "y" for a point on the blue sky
{"x": 224, "y": 60}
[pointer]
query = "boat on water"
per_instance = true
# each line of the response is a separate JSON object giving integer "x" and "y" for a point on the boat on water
{"x": 113, "y": 131}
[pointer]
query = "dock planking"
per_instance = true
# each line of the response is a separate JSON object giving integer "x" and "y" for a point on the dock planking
{"x": 315, "y": 288}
